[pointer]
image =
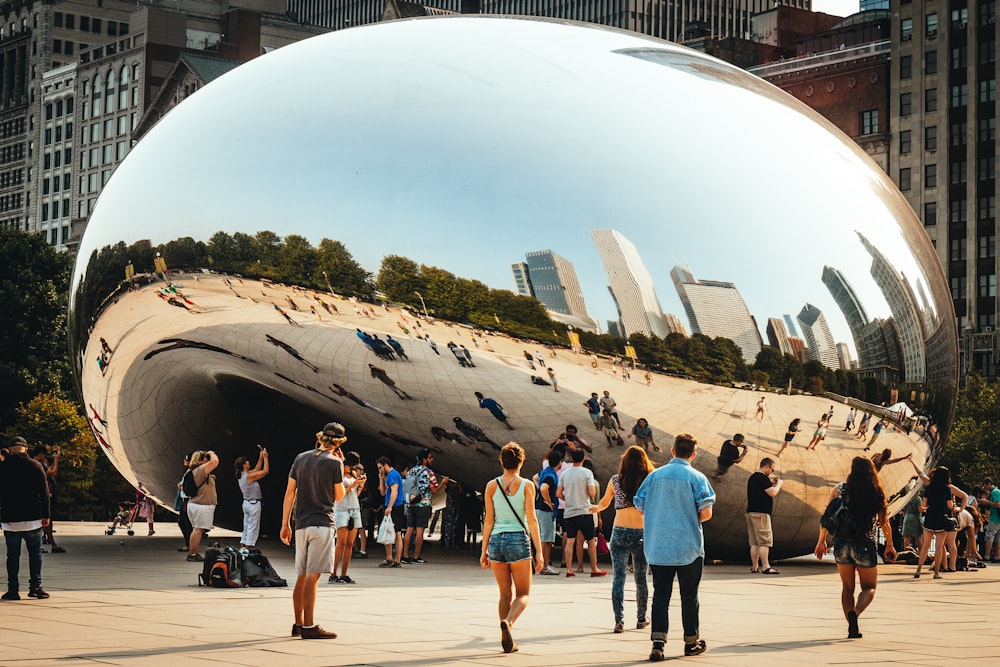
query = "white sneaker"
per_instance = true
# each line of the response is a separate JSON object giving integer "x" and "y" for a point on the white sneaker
{"x": 548, "y": 569}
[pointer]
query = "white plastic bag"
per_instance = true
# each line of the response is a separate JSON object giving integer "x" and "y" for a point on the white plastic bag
{"x": 386, "y": 531}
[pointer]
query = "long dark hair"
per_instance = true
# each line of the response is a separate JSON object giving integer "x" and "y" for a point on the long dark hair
{"x": 866, "y": 499}
{"x": 633, "y": 470}
{"x": 940, "y": 477}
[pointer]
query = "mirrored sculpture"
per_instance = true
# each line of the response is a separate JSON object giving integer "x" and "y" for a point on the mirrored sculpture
{"x": 245, "y": 268}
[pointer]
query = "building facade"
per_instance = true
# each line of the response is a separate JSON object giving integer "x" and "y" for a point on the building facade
{"x": 716, "y": 308}
{"x": 818, "y": 337}
{"x": 630, "y": 285}
{"x": 552, "y": 280}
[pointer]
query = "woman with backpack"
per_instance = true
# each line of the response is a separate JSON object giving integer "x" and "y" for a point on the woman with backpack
{"x": 854, "y": 548}
{"x": 509, "y": 531}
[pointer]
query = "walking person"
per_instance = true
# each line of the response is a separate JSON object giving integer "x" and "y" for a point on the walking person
{"x": 854, "y": 545}
{"x": 509, "y": 530}
{"x": 866, "y": 420}
{"x": 851, "y": 414}
{"x": 347, "y": 517}
{"x": 24, "y": 511}
{"x": 675, "y": 500}
{"x": 876, "y": 432}
{"x": 762, "y": 487}
{"x": 249, "y": 482}
{"x": 819, "y": 433}
{"x": 793, "y": 428}
{"x": 627, "y": 535}
{"x": 315, "y": 483}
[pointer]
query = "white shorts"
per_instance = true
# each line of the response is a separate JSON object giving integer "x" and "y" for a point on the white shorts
{"x": 341, "y": 517}
{"x": 314, "y": 550}
{"x": 201, "y": 516}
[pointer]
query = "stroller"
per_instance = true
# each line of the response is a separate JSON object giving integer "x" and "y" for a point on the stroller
{"x": 127, "y": 513}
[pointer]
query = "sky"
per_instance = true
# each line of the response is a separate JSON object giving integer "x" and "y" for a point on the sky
{"x": 836, "y": 7}
{"x": 481, "y": 159}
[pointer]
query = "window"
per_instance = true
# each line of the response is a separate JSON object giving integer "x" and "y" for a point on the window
{"x": 95, "y": 132}
{"x": 109, "y": 128}
{"x": 45, "y": 217}
{"x": 958, "y": 211}
{"x": 930, "y": 138}
{"x": 987, "y": 13}
{"x": 85, "y": 23}
{"x": 957, "y": 287}
{"x": 905, "y": 104}
{"x": 45, "y": 187}
{"x": 904, "y": 179}
{"x": 95, "y": 25}
{"x": 987, "y": 168}
{"x": 930, "y": 214}
{"x": 109, "y": 154}
{"x": 959, "y": 57}
{"x": 931, "y": 23}
{"x": 905, "y": 142}
{"x": 906, "y": 29}
{"x": 48, "y": 136}
{"x": 121, "y": 150}
{"x": 958, "y": 169}
{"x": 47, "y": 161}
{"x": 57, "y": 20}
{"x": 958, "y": 131}
{"x": 69, "y": 131}
{"x": 988, "y": 284}
{"x": 987, "y": 211}
{"x": 930, "y": 100}
{"x": 988, "y": 90}
{"x": 988, "y": 129}
{"x": 65, "y": 214}
{"x": 988, "y": 51}
{"x": 112, "y": 28}
{"x": 958, "y": 249}
{"x": 959, "y": 18}
{"x": 869, "y": 121}
{"x": 930, "y": 176}
{"x": 959, "y": 95}
{"x": 905, "y": 67}
{"x": 930, "y": 62}
{"x": 70, "y": 21}
{"x": 56, "y": 182}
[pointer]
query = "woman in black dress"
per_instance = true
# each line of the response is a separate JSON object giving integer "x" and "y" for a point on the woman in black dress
{"x": 937, "y": 506}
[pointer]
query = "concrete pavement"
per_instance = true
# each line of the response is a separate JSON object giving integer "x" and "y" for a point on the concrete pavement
{"x": 139, "y": 605}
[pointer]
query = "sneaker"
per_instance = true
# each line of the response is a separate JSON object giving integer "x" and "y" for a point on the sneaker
{"x": 296, "y": 629}
{"x": 195, "y": 558}
{"x": 361, "y": 554}
{"x": 386, "y": 563}
{"x": 395, "y": 564}
{"x": 549, "y": 570}
{"x": 316, "y": 632}
{"x": 420, "y": 561}
{"x": 334, "y": 579}
{"x": 695, "y": 648}
{"x": 10, "y": 595}
{"x": 406, "y": 561}
{"x": 38, "y": 593}
{"x": 656, "y": 655}
{"x": 347, "y": 580}
{"x": 619, "y": 628}
{"x": 643, "y": 623}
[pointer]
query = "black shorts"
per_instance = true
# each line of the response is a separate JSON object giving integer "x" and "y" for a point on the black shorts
{"x": 398, "y": 516}
{"x": 582, "y": 524}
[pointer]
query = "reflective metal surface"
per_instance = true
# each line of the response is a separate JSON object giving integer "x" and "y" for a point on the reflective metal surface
{"x": 700, "y": 195}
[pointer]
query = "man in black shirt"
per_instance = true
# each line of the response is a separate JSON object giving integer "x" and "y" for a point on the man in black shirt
{"x": 732, "y": 452}
{"x": 24, "y": 510}
{"x": 762, "y": 487}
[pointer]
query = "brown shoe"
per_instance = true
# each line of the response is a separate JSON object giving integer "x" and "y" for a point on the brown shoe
{"x": 316, "y": 632}
{"x": 296, "y": 629}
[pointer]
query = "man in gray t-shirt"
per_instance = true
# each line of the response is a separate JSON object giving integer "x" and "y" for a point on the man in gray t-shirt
{"x": 315, "y": 483}
{"x": 577, "y": 487}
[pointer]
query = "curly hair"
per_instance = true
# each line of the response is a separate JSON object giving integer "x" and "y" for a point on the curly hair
{"x": 866, "y": 498}
{"x": 633, "y": 470}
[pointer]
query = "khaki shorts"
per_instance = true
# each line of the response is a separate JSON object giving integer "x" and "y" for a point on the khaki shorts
{"x": 314, "y": 550}
{"x": 201, "y": 516}
{"x": 759, "y": 529}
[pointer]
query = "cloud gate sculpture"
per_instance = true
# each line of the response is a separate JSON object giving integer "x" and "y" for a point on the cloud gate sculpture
{"x": 402, "y": 180}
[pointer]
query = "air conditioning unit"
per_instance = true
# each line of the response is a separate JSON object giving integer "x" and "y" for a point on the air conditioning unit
{"x": 963, "y": 24}
{"x": 907, "y": 37}
{"x": 993, "y": 19}
{"x": 932, "y": 32}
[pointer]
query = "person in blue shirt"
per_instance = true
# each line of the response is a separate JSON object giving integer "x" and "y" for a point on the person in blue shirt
{"x": 495, "y": 409}
{"x": 675, "y": 500}
{"x": 390, "y": 484}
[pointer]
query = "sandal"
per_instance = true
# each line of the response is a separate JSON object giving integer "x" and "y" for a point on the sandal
{"x": 754, "y": 571}
{"x": 769, "y": 570}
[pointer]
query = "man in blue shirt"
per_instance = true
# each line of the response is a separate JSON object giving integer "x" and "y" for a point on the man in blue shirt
{"x": 675, "y": 500}
{"x": 390, "y": 484}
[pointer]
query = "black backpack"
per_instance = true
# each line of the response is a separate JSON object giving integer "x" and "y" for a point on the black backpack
{"x": 258, "y": 571}
{"x": 223, "y": 568}
{"x": 188, "y": 485}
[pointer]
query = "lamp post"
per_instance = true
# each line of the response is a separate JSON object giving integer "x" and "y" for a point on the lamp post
{"x": 423, "y": 304}
{"x": 327, "y": 279}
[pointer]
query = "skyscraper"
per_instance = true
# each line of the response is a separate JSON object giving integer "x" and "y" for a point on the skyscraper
{"x": 777, "y": 335}
{"x": 521, "y": 279}
{"x": 790, "y": 324}
{"x": 867, "y": 335}
{"x": 630, "y": 285}
{"x": 552, "y": 280}
{"x": 818, "y": 336}
{"x": 716, "y": 308}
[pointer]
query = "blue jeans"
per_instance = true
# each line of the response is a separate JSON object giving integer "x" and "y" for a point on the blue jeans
{"x": 33, "y": 543}
{"x": 688, "y": 578}
{"x": 625, "y": 541}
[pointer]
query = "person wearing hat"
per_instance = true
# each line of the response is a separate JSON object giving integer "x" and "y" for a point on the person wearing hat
{"x": 347, "y": 515}
{"x": 24, "y": 511}
{"x": 315, "y": 484}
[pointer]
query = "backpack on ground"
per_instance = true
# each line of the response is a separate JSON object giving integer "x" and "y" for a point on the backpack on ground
{"x": 258, "y": 571}
{"x": 223, "y": 568}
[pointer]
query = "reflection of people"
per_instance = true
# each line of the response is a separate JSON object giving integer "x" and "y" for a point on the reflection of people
{"x": 675, "y": 500}
{"x": 761, "y": 407}
{"x": 854, "y": 543}
{"x": 733, "y": 451}
{"x": 509, "y": 531}
{"x": 495, "y": 409}
{"x": 383, "y": 377}
{"x": 793, "y": 428}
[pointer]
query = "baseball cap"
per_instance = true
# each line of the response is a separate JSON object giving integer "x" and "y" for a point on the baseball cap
{"x": 18, "y": 441}
{"x": 334, "y": 430}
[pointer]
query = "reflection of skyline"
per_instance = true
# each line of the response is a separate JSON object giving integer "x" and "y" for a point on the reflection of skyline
{"x": 552, "y": 280}
{"x": 816, "y": 331}
{"x": 630, "y": 285}
{"x": 715, "y": 308}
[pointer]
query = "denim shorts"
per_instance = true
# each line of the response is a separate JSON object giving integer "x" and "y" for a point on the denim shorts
{"x": 509, "y": 547}
{"x": 862, "y": 553}
{"x": 341, "y": 517}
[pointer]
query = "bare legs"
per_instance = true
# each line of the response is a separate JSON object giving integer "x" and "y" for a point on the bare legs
{"x": 342, "y": 554}
{"x": 514, "y": 581}
{"x": 868, "y": 577}
{"x": 925, "y": 547}
{"x": 761, "y": 554}
{"x": 304, "y": 598}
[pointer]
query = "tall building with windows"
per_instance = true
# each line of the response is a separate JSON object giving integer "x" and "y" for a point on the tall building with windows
{"x": 944, "y": 135}
{"x": 716, "y": 308}
{"x": 777, "y": 335}
{"x": 630, "y": 285}
{"x": 818, "y": 336}
{"x": 552, "y": 280}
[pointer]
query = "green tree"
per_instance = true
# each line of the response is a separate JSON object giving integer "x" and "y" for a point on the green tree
{"x": 184, "y": 253}
{"x": 399, "y": 279}
{"x": 34, "y": 280}
{"x": 346, "y": 276}
{"x": 57, "y": 423}
{"x": 972, "y": 450}
{"x": 295, "y": 261}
